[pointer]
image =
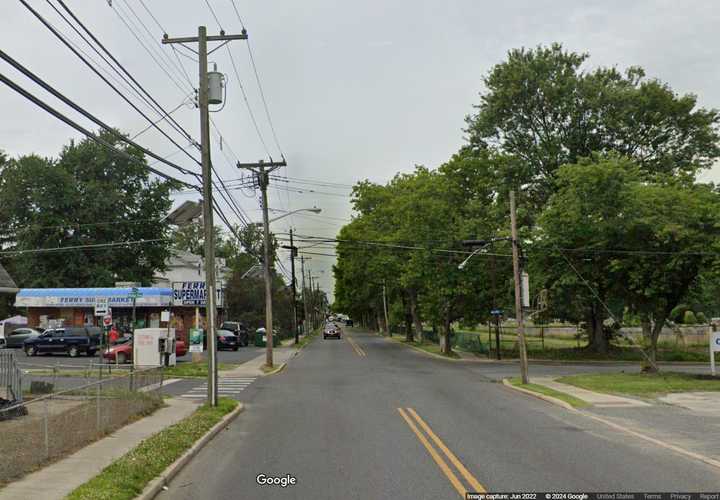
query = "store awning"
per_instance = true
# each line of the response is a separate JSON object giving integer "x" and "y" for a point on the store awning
{"x": 86, "y": 297}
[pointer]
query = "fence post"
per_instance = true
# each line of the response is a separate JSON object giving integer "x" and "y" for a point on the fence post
{"x": 45, "y": 429}
{"x": 97, "y": 405}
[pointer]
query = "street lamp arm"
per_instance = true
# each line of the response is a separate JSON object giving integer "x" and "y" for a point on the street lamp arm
{"x": 313, "y": 210}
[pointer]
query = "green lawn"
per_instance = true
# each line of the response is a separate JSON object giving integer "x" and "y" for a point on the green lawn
{"x": 643, "y": 384}
{"x": 425, "y": 346}
{"x": 125, "y": 478}
{"x": 573, "y": 401}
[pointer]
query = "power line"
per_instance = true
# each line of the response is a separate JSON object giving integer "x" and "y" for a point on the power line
{"x": 85, "y": 113}
{"x": 212, "y": 11}
{"x": 85, "y": 61}
{"x": 80, "y": 247}
{"x": 86, "y": 132}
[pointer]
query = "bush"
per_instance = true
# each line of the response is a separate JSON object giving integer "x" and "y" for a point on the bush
{"x": 701, "y": 318}
{"x": 689, "y": 318}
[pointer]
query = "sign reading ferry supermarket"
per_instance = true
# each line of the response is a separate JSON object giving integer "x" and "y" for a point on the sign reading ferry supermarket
{"x": 194, "y": 294}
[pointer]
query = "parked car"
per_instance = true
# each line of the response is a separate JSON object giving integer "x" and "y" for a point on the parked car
{"x": 122, "y": 352}
{"x": 17, "y": 337}
{"x": 240, "y": 331}
{"x": 226, "y": 339}
{"x": 71, "y": 341}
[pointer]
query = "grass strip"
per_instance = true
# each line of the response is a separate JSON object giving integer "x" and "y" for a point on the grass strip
{"x": 426, "y": 346}
{"x": 193, "y": 369}
{"x": 644, "y": 384}
{"x": 126, "y": 478}
{"x": 541, "y": 389}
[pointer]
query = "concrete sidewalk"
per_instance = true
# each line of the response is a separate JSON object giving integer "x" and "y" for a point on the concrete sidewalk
{"x": 253, "y": 368}
{"x": 594, "y": 398}
{"x": 60, "y": 478}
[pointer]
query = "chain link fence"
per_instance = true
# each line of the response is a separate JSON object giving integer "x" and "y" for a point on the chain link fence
{"x": 45, "y": 427}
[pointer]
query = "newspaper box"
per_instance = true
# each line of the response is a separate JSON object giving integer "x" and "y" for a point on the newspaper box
{"x": 154, "y": 347}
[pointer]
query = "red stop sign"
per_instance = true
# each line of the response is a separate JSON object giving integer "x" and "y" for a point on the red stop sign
{"x": 107, "y": 320}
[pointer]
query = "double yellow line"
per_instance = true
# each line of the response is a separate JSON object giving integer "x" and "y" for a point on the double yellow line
{"x": 359, "y": 350}
{"x": 412, "y": 418}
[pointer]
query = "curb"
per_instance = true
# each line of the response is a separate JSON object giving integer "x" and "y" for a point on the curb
{"x": 545, "y": 397}
{"x": 439, "y": 356}
{"x": 155, "y": 486}
{"x": 618, "y": 427}
{"x": 276, "y": 370}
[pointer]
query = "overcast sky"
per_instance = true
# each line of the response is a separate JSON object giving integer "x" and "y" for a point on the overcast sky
{"x": 355, "y": 89}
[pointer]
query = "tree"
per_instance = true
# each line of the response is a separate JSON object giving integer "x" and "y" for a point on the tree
{"x": 88, "y": 196}
{"x": 608, "y": 234}
{"x": 544, "y": 109}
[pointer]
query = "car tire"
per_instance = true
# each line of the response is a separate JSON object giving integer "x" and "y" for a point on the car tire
{"x": 324, "y": 337}
{"x": 90, "y": 353}
{"x": 73, "y": 351}
{"x": 30, "y": 351}
{"x": 121, "y": 358}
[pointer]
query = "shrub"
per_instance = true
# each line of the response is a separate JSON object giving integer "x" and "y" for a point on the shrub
{"x": 689, "y": 318}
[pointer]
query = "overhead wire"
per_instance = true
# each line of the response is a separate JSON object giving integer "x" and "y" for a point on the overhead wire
{"x": 96, "y": 71}
{"x": 38, "y": 102}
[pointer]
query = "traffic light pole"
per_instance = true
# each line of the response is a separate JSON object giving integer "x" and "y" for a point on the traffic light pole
{"x": 210, "y": 284}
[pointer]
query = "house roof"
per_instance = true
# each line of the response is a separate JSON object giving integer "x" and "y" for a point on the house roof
{"x": 7, "y": 284}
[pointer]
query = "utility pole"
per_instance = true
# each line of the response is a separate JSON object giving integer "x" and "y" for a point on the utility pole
{"x": 518, "y": 290}
{"x": 304, "y": 294}
{"x": 203, "y": 104}
{"x": 385, "y": 310}
{"x": 262, "y": 170}
{"x": 293, "y": 254}
{"x": 312, "y": 300}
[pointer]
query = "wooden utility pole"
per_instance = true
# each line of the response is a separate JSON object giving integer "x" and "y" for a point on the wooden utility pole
{"x": 203, "y": 97}
{"x": 518, "y": 290}
{"x": 262, "y": 171}
{"x": 293, "y": 254}
{"x": 306, "y": 319}
{"x": 385, "y": 310}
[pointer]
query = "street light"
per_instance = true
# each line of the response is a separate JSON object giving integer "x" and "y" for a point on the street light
{"x": 314, "y": 210}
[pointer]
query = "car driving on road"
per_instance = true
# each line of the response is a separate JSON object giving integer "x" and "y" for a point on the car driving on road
{"x": 332, "y": 330}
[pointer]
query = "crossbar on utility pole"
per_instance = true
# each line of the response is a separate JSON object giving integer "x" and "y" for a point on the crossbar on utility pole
{"x": 210, "y": 285}
{"x": 262, "y": 169}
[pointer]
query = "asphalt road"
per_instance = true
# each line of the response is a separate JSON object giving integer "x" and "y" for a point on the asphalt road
{"x": 357, "y": 419}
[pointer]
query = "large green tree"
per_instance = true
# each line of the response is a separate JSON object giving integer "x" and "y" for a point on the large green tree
{"x": 544, "y": 107}
{"x": 609, "y": 237}
{"x": 87, "y": 196}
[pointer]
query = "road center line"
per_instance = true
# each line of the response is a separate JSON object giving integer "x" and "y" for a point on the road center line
{"x": 359, "y": 350}
{"x": 477, "y": 487}
{"x": 434, "y": 454}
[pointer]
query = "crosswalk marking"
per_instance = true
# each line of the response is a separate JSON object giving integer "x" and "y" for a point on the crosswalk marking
{"x": 227, "y": 386}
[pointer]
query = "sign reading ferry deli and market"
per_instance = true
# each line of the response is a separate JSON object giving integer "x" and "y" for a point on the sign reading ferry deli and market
{"x": 194, "y": 294}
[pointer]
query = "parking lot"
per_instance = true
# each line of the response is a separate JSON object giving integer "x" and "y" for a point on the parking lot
{"x": 57, "y": 360}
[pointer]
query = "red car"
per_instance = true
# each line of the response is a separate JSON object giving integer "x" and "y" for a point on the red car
{"x": 124, "y": 351}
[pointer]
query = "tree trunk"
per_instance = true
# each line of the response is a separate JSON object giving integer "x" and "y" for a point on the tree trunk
{"x": 646, "y": 328}
{"x": 598, "y": 340}
{"x": 412, "y": 298}
{"x": 652, "y": 351}
{"x": 445, "y": 337}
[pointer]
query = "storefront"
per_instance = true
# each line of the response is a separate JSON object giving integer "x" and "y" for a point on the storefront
{"x": 76, "y": 306}
{"x": 52, "y": 307}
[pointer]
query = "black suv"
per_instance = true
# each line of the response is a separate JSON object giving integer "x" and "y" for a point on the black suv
{"x": 240, "y": 331}
{"x": 71, "y": 341}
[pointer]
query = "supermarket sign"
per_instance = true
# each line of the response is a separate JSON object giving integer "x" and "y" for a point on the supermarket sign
{"x": 194, "y": 294}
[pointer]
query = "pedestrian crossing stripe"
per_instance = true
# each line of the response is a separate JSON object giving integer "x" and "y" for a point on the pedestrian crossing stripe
{"x": 227, "y": 386}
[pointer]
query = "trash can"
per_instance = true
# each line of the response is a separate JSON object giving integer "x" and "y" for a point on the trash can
{"x": 260, "y": 337}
